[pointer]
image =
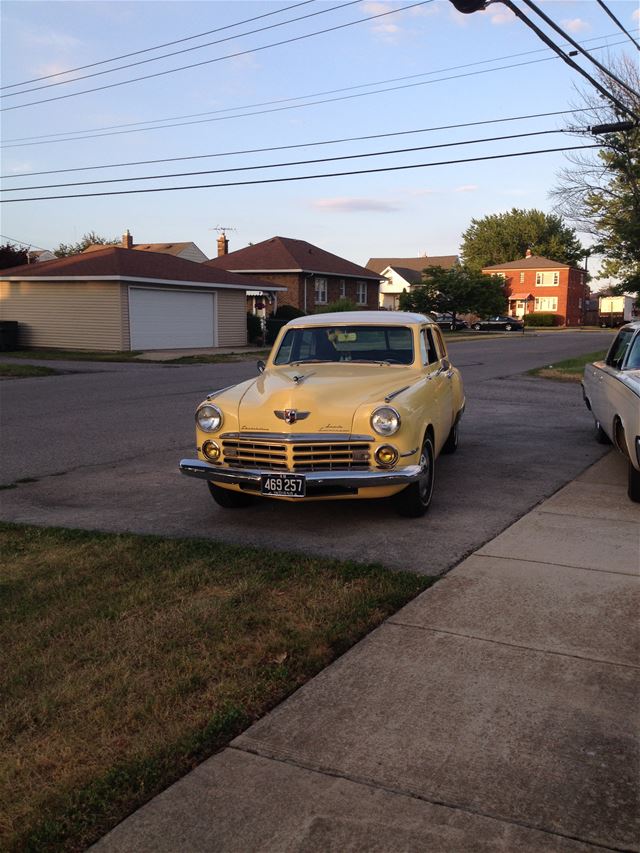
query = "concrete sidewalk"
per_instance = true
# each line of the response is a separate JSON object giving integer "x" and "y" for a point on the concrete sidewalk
{"x": 498, "y": 711}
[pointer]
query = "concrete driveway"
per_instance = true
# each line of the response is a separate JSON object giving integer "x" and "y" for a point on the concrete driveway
{"x": 102, "y": 445}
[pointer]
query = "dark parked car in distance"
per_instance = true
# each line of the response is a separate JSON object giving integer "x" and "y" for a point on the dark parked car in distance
{"x": 505, "y": 324}
{"x": 448, "y": 324}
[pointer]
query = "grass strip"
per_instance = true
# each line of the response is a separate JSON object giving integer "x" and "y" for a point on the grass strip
{"x": 134, "y": 356}
{"x": 24, "y": 371}
{"x": 569, "y": 370}
{"x": 130, "y": 659}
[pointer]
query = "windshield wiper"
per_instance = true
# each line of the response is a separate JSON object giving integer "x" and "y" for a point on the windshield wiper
{"x": 314, "y": 361}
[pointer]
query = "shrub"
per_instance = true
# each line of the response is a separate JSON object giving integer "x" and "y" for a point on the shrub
{"x": 273, "y": 327}
{"x": 542, "y": 319}
{"x": 339, "y": 305}
{"x": 254, "y": 327}
{"x": 287, "y": 312}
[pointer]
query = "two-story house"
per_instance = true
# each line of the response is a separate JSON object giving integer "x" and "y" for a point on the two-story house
{"x": 312, "y": 276}
{"x": 537, "y": 284}
{"x": 403, "y": 274}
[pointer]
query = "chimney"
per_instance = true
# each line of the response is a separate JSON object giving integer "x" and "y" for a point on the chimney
{"x": 527, "y": 254}
{"x": 223, "y": 245}
{"x": 127, "y": 240}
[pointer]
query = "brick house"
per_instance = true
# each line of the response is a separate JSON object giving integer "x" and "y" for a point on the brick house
{"x": 537, "y": 284}
{"x": 312, "y": 276}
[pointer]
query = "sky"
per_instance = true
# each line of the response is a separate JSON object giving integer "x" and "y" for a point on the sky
{"x": 413, "y": 70}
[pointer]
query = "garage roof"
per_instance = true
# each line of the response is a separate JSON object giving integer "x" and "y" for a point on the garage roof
{"x": 114, "y": 262}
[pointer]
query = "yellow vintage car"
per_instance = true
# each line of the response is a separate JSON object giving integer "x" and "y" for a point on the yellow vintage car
{"x": 349, "y": 405}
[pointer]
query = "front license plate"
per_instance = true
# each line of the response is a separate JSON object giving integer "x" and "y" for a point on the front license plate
{"x": 283, "y": 485}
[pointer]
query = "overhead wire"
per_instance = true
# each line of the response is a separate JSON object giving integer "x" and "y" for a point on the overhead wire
{"x": 235, "y": 55}
{"x": 265, "y": 181}
{"x": 314, "y": 161}
{"x": 292, "y": 146}
{"x": 157, "y": 46}
{"x": 22, "y": 242}
{"x": 184, "y": 50}
{"x": 289, "y": 107}
{"x": 617, "y": 22}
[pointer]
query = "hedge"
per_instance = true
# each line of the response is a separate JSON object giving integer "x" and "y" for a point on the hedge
{"x": 542, "y": 319}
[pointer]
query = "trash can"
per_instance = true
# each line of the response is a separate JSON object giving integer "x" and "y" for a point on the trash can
{"x": 8, "y": 335}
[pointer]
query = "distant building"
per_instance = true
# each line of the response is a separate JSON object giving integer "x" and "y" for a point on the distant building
{"x": 187, "y": 251}
{"x": 402, "y": 274}
{"x": 537, "y": 284}
{"x": 313, "y": 277}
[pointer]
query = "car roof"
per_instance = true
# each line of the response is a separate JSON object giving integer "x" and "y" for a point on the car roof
{"x": 369, "y": 318}
{"x": 634, "y": 324}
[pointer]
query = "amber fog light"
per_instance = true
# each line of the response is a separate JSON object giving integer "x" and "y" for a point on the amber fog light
{"x": 211, "y": 450}
{"x": 386, "y": 455}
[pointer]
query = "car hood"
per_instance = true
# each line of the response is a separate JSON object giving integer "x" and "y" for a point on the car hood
{"x": 325, "y": 396}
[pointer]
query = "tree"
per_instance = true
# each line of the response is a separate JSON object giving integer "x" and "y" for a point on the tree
{"x": 600, "y": 190}
{"x": 502, "y": 237}
{"x": 88, "y": 239}
{"x": 12, "y": 256}
{"x": 458, "y": 290}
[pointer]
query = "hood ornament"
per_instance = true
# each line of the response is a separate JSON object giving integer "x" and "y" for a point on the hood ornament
{"x": 290, "y": 416}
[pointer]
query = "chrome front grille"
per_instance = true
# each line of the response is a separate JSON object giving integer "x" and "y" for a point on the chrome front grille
{"x": 254, "y": 454}
{"x": 339, "y": 456}
{"x": 296, "y": 456}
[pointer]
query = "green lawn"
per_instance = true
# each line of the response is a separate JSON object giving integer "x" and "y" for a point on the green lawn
{"x": 128, "y": 659}
{"x": 89, "y": 355}
{"x": 569, "y": 370}
{"x": 24, "y": 371}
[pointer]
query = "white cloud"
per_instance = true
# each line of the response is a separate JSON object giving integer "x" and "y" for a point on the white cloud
{"x": 505, "y": 17}
{"x": 50, "y": 68}
{"x": 60, "y": 41}
{"x": 636, "y": 15}
{"x": 575, "y": 25}
{"x": 467, "y": 188}
{"x": 354, "y": 205}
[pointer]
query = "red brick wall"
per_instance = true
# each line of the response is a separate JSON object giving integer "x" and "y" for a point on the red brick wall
{"x": 295, "y": 283}
{"x": 569, "y": 291}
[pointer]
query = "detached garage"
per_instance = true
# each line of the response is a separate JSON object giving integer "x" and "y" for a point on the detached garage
{"x": 116, "y": 299}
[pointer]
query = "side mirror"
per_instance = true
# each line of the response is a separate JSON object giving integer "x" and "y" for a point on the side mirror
{"x": 445, "y": 364}
{"x": 261, "y": 366}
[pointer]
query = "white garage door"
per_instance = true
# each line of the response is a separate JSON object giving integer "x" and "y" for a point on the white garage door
{"x": 170, "y": 319}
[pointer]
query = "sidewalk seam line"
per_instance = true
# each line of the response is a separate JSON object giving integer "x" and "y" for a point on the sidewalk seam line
{"x": 542, "y": 511}
{"x": 391, "y": 621}
{"x": 548, "y": 563}
{"x": 371, "y": 783}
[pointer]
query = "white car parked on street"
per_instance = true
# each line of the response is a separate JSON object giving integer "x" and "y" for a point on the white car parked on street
{"x": 611, "y": 390}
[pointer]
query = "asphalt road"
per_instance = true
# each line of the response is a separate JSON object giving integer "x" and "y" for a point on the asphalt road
{"x": 102, "y": 443}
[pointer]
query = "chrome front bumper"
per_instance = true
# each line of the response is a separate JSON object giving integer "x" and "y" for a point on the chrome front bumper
{"x": 251, "y": 477}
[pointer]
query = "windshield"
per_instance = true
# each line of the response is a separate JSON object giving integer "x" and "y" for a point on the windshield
{"x": 356, "y": 344}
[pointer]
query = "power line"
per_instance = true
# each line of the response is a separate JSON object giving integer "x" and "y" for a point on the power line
{"x": 46, "y": 141}
{"x": 221, "y": 58}
{"x": 183, "y": 50}
{"x": 297, "y": 145}
{"x": 23, "y": 243}
{"x": 616, "y": 21}
{"x": 290, "y": 163}
{"x": 156, "y": 47}
{"x": 302, "y": 177}
{"x": 579, "y": 48}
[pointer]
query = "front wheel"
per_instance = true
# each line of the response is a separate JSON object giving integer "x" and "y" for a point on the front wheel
{"x": 477, "y": 326}
{"x": 634, "y": 484}
{"x": 414, "y": 501}
{"x": 227, "y": 498}
{"x": 508, "y": 327}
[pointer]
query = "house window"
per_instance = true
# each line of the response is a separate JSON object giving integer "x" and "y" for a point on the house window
{"x": 547, "y": 279}
{"x": 343, "y": 289}
{"x": 521, "y": 278}
{"x": 361, "y": 293}
{"x": 321, "y": 291}
{"x": 546, "y": 303}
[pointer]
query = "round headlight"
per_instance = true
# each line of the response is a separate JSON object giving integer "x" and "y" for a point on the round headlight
{"x": 211, "y": 450}
{"x": 386, "y": 456}
{"x": 209, "y": 418}
{"x": 385, "y": 421}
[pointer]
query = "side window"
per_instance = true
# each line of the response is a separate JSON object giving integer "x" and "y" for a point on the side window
{"x": 429, "y": 345}
{"x": 619, "y": 347}
{"x": 424, "y": 357}
{"x": 440, "y": 346}
{"x": 634, "y": 354}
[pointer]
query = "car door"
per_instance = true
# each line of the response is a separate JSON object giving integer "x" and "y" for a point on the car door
{"x": 603, "y": 380}
{"x": 439, "y": 390}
